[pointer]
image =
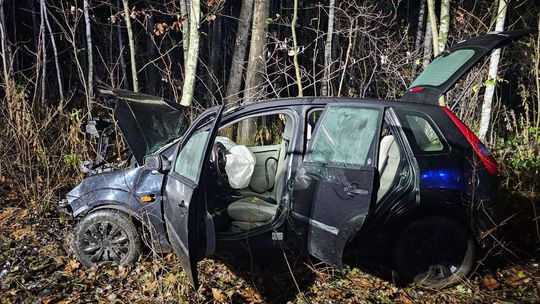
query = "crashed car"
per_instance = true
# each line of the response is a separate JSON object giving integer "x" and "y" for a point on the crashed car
{"x": 403, "y": 180}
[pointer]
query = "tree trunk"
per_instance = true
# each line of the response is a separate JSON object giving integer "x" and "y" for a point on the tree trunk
{"x": 239, "y": 53}
{"x": 255, "y": 69}
{"x": 433, "y": 24}
{"x": 256, "y": 61}
{"x": 420, "y": 27}
{"x": 55, "y": 54}
{"x": 43, "y": 49}
{"x": 184, "y": 15}
{"x": 132, "y": 51}
{"x": 427, "y": 44}
{"x": 328, "y": 50}
{"x": 90, "y": 54}
{"x": 445, "y": 24}
{"x": 295, "y": 49}
{"x": 5, "y": 59}
{"x": 193, "y": 54}
{"x": 152, "y": 75}
{"x": 123, "y": 80}
{"x": 492, "y": 75}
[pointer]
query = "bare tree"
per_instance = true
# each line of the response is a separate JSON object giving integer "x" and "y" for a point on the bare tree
{"x": 239, "y": 53}
{"x": 45, "y": 13}
{"x": 444, "y": 27}
{"x": 184, "y": 16}
{"x": 433, "y": 23}
{"x": 485, "y": 115}
{"x": 43, "y": 49}
{"x": 295, "y": 48}
{"x": 256, "y": 66}
{"x": 89, "y": 51}
{"x": 5, "y": 59}
{"x": 120, "y": 38}
{"x": 193, "y": 54}
{"x": 132, "y": 51}
{"x": 328, "y": 49}
{"x": 427, "y": 44}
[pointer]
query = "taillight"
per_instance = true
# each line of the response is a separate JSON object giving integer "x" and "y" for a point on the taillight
{"x": 487, "y": 159}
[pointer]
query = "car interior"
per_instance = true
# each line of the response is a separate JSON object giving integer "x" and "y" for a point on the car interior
{"x": 257, "y": 204}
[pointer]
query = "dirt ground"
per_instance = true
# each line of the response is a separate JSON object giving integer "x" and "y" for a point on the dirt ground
{"x": 36, "y": 266}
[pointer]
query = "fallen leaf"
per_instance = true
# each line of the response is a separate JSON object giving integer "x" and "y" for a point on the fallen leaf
{"x": 403, "y": 298}
{"x": 72, "y": 265}
{"x": 490, "y": 283}
{"x": 218, "y": 295}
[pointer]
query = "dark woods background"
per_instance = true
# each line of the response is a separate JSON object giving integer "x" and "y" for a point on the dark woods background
{"x": 55, "y": 53}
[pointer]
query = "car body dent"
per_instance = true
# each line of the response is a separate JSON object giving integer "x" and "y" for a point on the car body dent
{"x": 122, "y": 190}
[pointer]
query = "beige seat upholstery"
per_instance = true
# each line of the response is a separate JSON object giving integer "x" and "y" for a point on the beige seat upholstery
{"x": 389, "y": 158}
{"x": 252, "y": 211}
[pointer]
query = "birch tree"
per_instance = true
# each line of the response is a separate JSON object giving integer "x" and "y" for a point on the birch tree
{"x": 485, "y": 115}
{"x": 184, "y": 16}
{"x": 132, "y": 51}
{"x": 90, "y": 76}
{"x": 328, "y": 49}
{"x": 295, "y": 48}
{"x": 5, "y": 59}
{"x": 444, "y": 27}
{"x": 193, "y": 54}
{"x": 433, "y": 24}
{"x": 239, "y": 53}
{"x": 43, "y": 49}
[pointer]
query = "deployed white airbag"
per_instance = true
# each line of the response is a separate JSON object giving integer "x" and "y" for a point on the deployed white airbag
{"x": 239, "y": 166}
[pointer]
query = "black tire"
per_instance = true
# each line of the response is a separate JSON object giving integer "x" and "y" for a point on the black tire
{"x": 434, "y": 252}
{"x": 107, "y": 236}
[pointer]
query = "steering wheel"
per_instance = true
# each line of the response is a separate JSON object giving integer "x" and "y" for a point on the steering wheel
{"x": 219, "y": 156}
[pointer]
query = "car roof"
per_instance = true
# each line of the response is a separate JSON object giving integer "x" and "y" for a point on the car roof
{"x": 321, "y": 101}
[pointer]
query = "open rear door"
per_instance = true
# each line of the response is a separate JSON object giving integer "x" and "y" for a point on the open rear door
{"x": 340, "y": 167}
{"x": 453, "y": 63}
{"x": 189, "y": 226}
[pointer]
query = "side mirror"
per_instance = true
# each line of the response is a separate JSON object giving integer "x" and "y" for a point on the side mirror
{"x": 156, "y": 163}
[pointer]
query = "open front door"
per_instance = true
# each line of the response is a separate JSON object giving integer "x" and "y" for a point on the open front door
{"x": 189, "y": 226}
{"x": 453, "y": 63}
{"x": 340, "y": 170}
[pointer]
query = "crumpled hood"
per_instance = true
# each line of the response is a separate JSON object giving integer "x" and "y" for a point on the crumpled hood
{"x": 146, "y": 122}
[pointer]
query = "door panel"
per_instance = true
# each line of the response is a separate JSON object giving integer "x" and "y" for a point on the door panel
{"x": 264, "y": 174}
{"x": 339, "y": 176}
{"x": 341, "y": 201}
{"x": 184, "y": 205}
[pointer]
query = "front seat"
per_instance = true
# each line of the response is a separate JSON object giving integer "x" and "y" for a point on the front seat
{"x": 389, "y": 159}
{"x": 253, "y": 211}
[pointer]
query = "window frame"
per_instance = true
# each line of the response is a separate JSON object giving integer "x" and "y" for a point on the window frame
{"x": 402, "y": 116}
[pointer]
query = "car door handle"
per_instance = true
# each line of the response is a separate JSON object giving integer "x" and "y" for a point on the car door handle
{"x": 182, "y": 204}
{"x": 352, "y": 189}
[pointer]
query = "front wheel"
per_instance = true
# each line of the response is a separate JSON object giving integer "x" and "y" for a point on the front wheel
{"x": 107, "y": 236}
{"x": 434, "y": 252}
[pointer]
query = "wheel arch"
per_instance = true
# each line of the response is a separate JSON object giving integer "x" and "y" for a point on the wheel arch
{"x": 393, "y": 234}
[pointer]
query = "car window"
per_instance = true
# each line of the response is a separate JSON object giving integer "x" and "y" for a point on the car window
{"x": 425, "y": 137}
{"x": 344, "y": 136}
{"x": 190, "y": 157}
{"x": 442, "y": 68}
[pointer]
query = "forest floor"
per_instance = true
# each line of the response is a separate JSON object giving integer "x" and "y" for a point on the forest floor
{"x": 37, "y": 266}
